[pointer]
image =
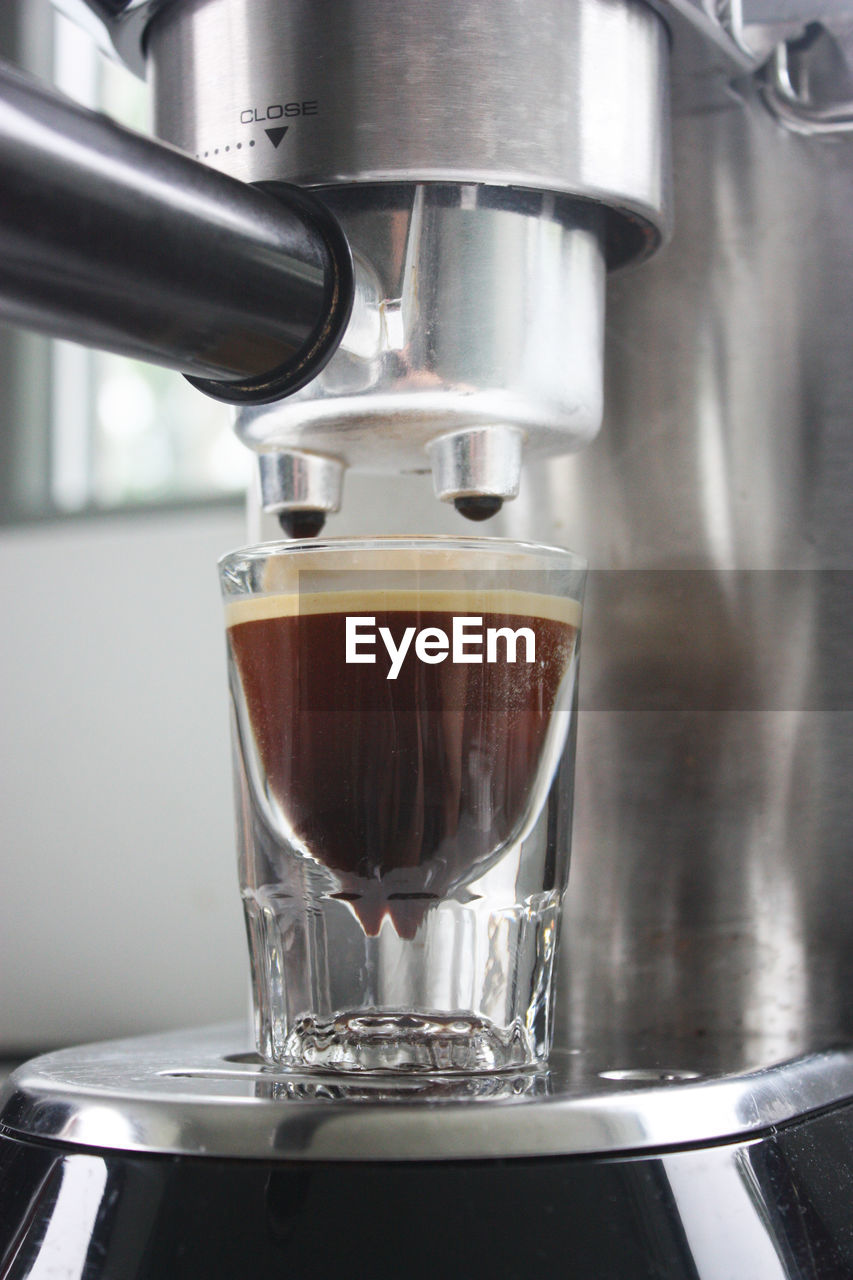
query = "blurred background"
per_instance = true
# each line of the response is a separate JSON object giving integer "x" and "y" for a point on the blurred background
{"x": 120, "y": 487}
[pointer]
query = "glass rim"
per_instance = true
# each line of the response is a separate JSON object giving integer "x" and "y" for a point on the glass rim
{"x": 568, "y": 560}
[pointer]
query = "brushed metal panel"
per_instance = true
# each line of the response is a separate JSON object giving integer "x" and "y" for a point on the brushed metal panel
{"x": 551, "y": 96}
{"x": 712, "y": 881}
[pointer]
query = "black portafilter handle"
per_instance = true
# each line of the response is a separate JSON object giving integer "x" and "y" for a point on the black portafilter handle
{"x": 119, "y": 242}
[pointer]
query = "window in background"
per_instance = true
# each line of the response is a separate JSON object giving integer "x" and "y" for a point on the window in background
{"x": 123, "y": 433}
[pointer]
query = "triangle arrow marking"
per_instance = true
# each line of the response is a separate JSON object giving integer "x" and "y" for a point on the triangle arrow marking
{"x": 275, "y": 135}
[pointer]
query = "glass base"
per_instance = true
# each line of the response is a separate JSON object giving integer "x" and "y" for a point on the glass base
{"x": 373, "y": 1041}
{"x": 468, "y": 993}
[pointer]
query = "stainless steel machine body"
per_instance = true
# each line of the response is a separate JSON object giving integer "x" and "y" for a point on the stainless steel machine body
{"x": 707, "y": 935}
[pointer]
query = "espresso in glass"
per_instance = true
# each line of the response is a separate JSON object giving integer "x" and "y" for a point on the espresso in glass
{"x": 404, "y": 759}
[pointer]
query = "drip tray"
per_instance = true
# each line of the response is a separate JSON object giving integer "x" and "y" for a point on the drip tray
{"x": 199, "y": 1093}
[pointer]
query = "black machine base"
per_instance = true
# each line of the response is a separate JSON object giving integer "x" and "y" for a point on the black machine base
{"x": 776, "y": 1206}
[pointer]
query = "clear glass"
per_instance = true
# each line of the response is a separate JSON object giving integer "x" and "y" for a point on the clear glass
{"x": 403, "y": 713}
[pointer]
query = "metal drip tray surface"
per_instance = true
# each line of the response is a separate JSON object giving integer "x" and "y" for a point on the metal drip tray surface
{"x": 198, "y": 1093}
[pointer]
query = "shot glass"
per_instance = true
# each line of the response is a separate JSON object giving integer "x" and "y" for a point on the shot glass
{"x": 404, "y": 728}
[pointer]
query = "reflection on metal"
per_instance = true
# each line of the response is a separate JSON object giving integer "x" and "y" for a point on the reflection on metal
{"x": 62, "y": 1251}
{"x": 480, "y": 231}
{"x": 293, "y": 481}
{"x": 766, "y": 1207}
{"x": 121, "y": 23}
{"x": 721, "y": 1216}
{"x": 116, "y": 241}
{"x": 155, "y": 1094}
{"x": 427, "y": 91}
{"x": 808, "y": 84}
{"x": 711, "y": 878}
{"x": 483, "y": 460}
{"x": 462, "y": 297}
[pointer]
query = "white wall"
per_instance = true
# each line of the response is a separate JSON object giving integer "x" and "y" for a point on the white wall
{"x": 119, "y": 905}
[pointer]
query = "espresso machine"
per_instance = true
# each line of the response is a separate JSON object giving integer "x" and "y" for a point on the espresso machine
{"x": 577, "y": 268}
